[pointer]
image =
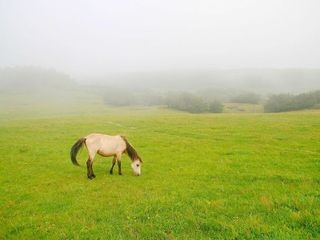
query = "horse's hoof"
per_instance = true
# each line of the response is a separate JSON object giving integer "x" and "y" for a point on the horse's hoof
{"x": 111, "y": 173}
{"x": 120, "y": 173}
{"x": 91, "y": 177}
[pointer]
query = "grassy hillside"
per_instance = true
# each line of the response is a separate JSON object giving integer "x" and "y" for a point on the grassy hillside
{"x": 218, "y": 176}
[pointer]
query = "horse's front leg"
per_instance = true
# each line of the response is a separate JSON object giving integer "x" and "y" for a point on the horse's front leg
{"x": 119, "y": 164}
{"x": 113, "y": 163}
{"x": 119, "y": 167}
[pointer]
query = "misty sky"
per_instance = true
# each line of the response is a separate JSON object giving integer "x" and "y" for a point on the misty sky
{"x": 100, "y": 37}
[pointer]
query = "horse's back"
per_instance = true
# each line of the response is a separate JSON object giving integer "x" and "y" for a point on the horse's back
{"x": 105, "y": 145}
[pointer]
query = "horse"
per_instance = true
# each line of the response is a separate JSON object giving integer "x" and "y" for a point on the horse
{"x": 106, "y": 146}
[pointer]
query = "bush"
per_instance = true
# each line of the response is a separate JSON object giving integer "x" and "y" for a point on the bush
{"x": 192, "y": 103}
{"x": 186, "y": 102}
{"x": 289, "y": 102}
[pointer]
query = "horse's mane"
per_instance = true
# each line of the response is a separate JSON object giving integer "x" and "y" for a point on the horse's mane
{"x": 130, "y": 150}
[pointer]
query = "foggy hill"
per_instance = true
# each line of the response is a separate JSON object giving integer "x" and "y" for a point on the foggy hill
{"x": 26, "y": 78}
{"x": 210, "y": 84}
{"x": 263, "y": 81}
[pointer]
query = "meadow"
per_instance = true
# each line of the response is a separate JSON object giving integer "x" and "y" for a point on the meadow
{"x": 205, "y": 176}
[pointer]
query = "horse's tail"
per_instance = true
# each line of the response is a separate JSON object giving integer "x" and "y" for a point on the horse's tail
{"x": 75, "y": 149}
{"x": 130, "y": 150}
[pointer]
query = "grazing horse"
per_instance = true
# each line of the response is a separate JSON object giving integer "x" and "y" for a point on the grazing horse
{"x": 106, "y": 146}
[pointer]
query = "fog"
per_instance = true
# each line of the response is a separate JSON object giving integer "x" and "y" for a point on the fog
{"x": 215, "y": 49}
{"x": 86, "y": 38}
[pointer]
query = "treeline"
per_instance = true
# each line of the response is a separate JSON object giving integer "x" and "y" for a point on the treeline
{"x": 290, "y": 102}
{"x": 195, "y": 103}
{"x": 183, "y": 101}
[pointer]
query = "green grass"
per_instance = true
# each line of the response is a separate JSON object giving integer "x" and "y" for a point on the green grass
{"x": 208, "y": 176}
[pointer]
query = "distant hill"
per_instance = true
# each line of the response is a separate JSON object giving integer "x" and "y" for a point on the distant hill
{"x": 33, "y": 79}
{"x": 262, "y": 81}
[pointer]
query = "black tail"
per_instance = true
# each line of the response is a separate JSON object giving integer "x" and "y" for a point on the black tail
{"x": 75, "y": 149}
{"x": 130, "y": 150}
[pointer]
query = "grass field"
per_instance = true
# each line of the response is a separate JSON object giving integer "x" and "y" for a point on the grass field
{"x": 208, "y": 176}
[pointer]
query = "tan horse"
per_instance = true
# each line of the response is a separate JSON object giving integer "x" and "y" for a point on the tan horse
{"x": 106, "y": 146}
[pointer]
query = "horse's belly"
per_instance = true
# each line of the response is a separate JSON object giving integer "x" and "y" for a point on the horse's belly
{"x": 108, "y": 150}
{"x": 106, "y": 153}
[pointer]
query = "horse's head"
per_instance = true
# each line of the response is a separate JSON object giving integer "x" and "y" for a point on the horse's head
{"x": 136, "y": 166}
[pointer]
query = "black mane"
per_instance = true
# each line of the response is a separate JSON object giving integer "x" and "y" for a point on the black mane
{"x": 132, "y": 153}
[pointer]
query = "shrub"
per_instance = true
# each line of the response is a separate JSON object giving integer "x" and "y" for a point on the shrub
{"x": 289, "y": 102}
{"x": 187, "y": 102}
{"x": 192, "y": 103}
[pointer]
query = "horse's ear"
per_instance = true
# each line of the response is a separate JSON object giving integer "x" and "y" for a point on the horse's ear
{"x": 140, "y": 160}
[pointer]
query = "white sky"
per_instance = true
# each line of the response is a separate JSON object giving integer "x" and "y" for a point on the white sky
{"x": 99, "y": 37}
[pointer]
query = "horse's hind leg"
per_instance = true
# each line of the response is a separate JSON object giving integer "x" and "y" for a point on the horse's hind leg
{"x": 91, "y": 152}
{"x": 90, "y": 173}
{"x": 113, "y": 163}
{"x": 89, "y": 165}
